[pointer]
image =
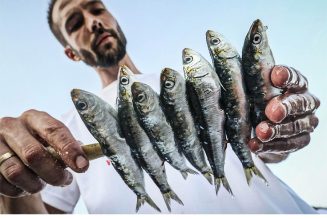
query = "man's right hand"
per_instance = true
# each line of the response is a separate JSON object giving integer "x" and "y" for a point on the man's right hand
{"x": 32, "y": 166}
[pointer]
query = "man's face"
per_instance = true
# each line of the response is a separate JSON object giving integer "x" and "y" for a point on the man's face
{"x": 91, "y": 31}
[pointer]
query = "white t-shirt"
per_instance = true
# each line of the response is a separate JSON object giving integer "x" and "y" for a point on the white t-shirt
{"x": 103, "y": 191}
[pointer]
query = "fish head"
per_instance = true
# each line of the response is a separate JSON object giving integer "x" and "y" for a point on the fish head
{"x": 219, "y": 46}
{"x": 194, "y": 65}
{"x": 86, "y": 104}
{"x": 171, "y": 81}
{"x": 256, "y": 40}
{"x": 143, "y": 97}
{"x": 126, "y": 79}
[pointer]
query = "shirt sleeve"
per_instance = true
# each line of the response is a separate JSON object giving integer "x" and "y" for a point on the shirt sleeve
{"x": 62, "y": 198}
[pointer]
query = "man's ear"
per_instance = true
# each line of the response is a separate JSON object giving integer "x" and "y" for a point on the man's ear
{"x": 71, "y": 54}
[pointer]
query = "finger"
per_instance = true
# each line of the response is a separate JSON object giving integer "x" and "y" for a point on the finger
{"x": 289, "y": 104}
{"x": 32, "y": 153}
{"x": 280, "y": 145}
{"x": 288, "y": 78}
{"x": 267, "y": 131}
{"x": 272, "y": 157}
{"x": 56, "y": 134}
{"x": 8, "y": 189}
{"x": 16, "y": 173}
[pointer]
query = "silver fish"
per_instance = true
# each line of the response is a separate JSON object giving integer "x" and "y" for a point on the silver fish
{"x": 138, "y": 140}
{"x": 174, "y": 104}
{"x": 228, "y": 66}
{"x": 204, "y": 90}
{"x": 153, "y": 121}
{"x": 101, "y": 120}
{"x": 258, "y": 61}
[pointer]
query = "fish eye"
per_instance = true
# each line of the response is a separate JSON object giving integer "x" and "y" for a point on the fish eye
{"x": 169, "y": 84}
{"x": 81, "y": 105}
{"x": 188, "y": 59}
{"x": 257, "y": 38}
{"x": 124, "y": 80}
{"x": 140, "y": 98}
{"x": 215, "y": 41}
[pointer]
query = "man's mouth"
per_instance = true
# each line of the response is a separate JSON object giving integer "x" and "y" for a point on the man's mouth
{"x": 101, "y": 38}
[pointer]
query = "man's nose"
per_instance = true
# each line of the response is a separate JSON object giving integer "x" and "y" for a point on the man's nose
{"x": 97, "y": 27}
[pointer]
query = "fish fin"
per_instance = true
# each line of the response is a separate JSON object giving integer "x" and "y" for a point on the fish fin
{"x": 171, "y": 195}
{"x": 222, "y": 180}
{"x": 145, "y": 198}
{"x": 207, "y": 175}
{"x": 186, "y": 171}
{"x": 253, "y": 170}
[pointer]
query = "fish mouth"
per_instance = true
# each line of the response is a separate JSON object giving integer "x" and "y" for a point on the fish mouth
{"x": 124, "y": 71}
{"x": 166, "y": 73}
{"x": 75, "y": 93}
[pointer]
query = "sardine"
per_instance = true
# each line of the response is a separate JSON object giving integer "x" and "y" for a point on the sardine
{"x": 227, "y": 63}
{"x": 101, "y": 120}
{"x": 174, "y": 104}
{"x": 204, "y": 90}
{"x": 153, "y": 121}
{"x": 258, "y": 61}
{"x": 138, "y": 140}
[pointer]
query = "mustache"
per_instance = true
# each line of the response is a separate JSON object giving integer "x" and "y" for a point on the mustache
{"x": 99, "y": 32}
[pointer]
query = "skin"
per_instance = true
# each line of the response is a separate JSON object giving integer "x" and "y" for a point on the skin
{"x": 36, "y": 127}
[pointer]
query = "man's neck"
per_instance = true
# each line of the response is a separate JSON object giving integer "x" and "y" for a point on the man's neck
{"x": 108, "y": 75}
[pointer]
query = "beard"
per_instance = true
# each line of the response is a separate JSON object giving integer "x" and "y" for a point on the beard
{"x": 107, "y": 55}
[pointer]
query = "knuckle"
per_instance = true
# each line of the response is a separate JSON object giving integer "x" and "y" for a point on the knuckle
{"x": 28, "y": 113}
{"x": 32, "y": 153}
{"x": 7, "y": 123}
{"x": 52, "y": 128}
{"x": 13, "y": 172}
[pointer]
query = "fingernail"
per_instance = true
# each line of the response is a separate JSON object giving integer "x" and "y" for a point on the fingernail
{"x": 81, "y": 162}
{"x": 264, "y": 131}
{"x": 280, "y": 76}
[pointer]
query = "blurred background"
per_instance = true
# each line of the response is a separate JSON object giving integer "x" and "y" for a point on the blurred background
{"x": 35, "y": 73}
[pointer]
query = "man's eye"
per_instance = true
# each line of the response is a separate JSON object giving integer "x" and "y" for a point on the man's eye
{"x": 74, "y": 24}
{"x": 97, "y": 11}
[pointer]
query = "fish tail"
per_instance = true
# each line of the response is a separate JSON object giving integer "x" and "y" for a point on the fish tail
{"x": 249, "y": 171}
{"x": 171, "y": 195}
{"x": 222, "y": 180}
{"x": 141, "y": 199}
{"x": 207, "y": 175}
{"x": 186, "y": 171}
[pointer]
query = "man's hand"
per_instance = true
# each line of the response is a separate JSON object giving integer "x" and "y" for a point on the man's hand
{"x": 32, "y": 166}
{"x": 291, "y": 117}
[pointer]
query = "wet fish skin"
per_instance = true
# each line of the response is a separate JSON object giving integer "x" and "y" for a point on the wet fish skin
{"x": 258, "y": 61}
{"x": 101, "y": 120}
{"x": 174, "y": 104}
{"x": 152, "y": 119}
{"x": 227, "y": 63}
{"x": 136, "y": 137}
{"x": 204, "y": 91}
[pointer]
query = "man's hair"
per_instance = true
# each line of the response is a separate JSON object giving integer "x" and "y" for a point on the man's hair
{"x": 54, "y": 28}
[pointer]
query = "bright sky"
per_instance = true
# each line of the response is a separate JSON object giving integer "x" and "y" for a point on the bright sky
{"x": 36, "y": 74}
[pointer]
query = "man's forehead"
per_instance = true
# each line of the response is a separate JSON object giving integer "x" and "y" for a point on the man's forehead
{"x": 62, "y": 7}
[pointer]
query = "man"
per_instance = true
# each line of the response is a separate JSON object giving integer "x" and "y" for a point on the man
{"x": 90, "y": 33}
